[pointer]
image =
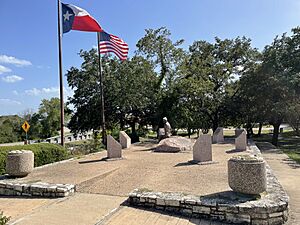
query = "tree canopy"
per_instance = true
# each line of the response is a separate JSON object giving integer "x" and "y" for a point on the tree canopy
{"x": 226, "y": 82}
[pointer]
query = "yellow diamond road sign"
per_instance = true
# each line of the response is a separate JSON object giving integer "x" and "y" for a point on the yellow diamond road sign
{"x": 26, "y": 126}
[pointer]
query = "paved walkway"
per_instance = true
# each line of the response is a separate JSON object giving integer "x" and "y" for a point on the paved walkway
{"x": 288, "y": 174}
{"x": 80, "y": 209}
{"x": 133, "y": 216}
{"x": 89, "y": 208}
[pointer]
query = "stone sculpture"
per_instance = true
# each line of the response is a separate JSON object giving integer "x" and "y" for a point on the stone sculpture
{"x": 125, "y": 140}
{"x": 202, "y": 150}
{"x": 218, "y": 136}
{"x": 114, "y": 148}
{"x": 241, "y": 140}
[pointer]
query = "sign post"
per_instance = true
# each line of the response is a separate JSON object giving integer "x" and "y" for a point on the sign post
{"x": 26, "y": 127}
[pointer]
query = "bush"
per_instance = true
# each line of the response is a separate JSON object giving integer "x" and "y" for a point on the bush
{"x": 44, "y": 153}
{"x": 3, "y": 219}
{"x": 85, "y": 147}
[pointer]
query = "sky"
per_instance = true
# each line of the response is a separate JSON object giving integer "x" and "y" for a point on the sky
{"x": 29, "y": 43}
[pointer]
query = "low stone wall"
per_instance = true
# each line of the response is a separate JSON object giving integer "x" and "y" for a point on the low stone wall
{"x": 37, "y": 189}
{"x": 270, "y": 209}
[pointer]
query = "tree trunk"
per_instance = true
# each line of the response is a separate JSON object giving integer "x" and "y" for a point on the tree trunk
{"x": 122, "y": 122}
{"x": 134, "y": 137}
{"x": 215, "y": 125}
{"x": 215, "y": 121}
{"x": 189, "y": 132}
{"x": 275, "y": 133}
{"x": 259, "y": 129}
{"x": 249, "y": 130}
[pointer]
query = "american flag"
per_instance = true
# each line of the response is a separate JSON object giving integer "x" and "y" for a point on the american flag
{"x": 112, "y": 43}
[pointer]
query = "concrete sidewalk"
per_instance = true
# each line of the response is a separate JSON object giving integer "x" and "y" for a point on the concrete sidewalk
{"x": 133, "y": 216}
{"x": 288, "y": 174}
{"x": 80, "y": 209}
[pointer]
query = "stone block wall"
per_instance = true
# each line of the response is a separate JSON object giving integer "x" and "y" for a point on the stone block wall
{"x": 39, "y": 189}
{"x": 270, "y": 209}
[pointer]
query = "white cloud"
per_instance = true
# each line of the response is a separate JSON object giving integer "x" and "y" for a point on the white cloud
{"x": 13, "y": 60}
{"x": 6, "y": 101}
{"x": 12, "y": 79}
{"x": 15, "y": 92}
{"x": 48, "y": 92}
{"x": 4, "y": 69}
{"x": 33, "y": 92}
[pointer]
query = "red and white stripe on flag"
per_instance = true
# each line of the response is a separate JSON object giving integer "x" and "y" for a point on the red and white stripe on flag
{"x": 115, "y": 45}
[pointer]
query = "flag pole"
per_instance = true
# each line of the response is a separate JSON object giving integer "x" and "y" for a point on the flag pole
{"x": 101, "y": 91}
{"x": 61, "y": 87}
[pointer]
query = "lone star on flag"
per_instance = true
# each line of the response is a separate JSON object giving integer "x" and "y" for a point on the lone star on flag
{"x": 75, "y": 18}
{"x": 67, "y": 16}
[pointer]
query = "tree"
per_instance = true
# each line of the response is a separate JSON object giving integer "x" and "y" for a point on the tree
{"x": 166, "y": 56}
{"x": 212, "y": 70}
{"x": 86, "y": 98}
{"x": 279, "y": 64}
{"x": 10, "y": 129}
{"x": 293, "y": 116}
{"x": 157, "y": 47}
{"x": 129, "y": 92}
{"x": 49, "y": 117}
{"x": 271, "y": 90}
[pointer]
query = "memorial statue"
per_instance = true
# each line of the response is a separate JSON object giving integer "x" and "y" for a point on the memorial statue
{"x": 167, "y": 128}
{"x": 164, "y": 132}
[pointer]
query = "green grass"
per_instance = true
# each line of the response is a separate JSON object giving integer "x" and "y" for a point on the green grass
{"x": 293, "y": 155}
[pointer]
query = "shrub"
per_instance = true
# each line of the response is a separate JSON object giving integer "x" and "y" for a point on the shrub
{"x": 3, "y": 219}
{"x": 44, "y": 153}
{"x": 86, "y": 146}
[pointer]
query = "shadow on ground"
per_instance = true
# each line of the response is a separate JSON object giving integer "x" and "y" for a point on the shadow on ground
{"x": 266, "y": 147}
{"x": 228, "y": 197}
{"x": 234, "y": 151}
{"x": 93, "y": 161}
{"x": 292, "y": 163}
{"x": 195, "y": 162}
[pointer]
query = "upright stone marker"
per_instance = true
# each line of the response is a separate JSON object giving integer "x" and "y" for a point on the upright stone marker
{"x": 218, "y": 136}
{"x": 241, "y": 140}
{"x": 125, "y": 140}
{"x": 202, "y": 150}
{"x": 114, "y": 148}
{"x": 238, "y": 131}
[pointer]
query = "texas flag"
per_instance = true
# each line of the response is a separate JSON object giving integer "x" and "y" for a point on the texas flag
{"x": 75, "y": 18}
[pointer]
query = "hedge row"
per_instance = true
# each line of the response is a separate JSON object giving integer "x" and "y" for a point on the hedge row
{"x": 44, "y": 153}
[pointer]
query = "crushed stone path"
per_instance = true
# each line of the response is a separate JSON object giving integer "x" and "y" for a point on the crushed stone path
{"x": 288, "y": 174}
